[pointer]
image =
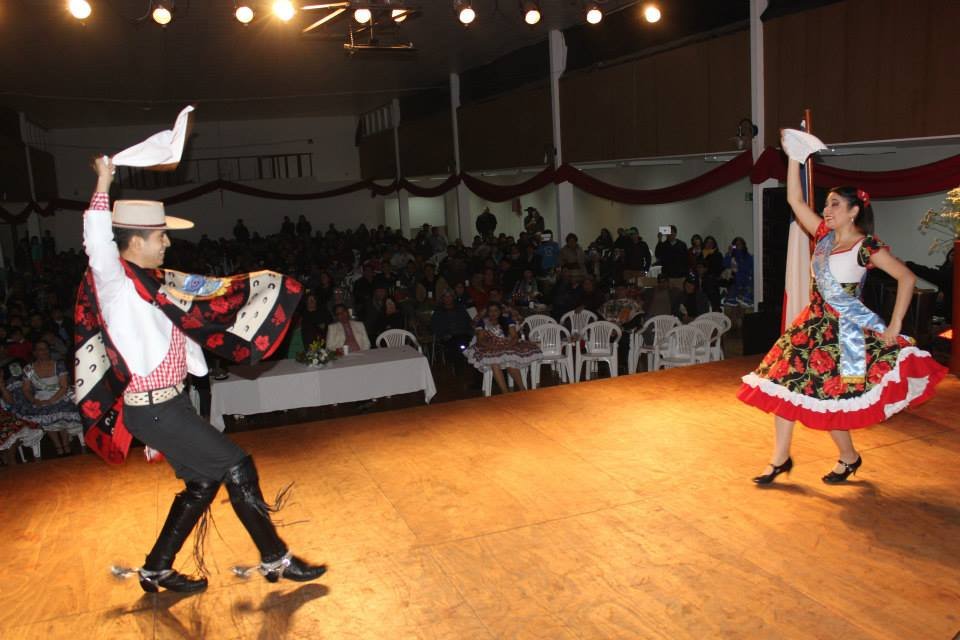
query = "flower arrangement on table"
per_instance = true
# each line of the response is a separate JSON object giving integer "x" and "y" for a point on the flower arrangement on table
{"x": 946, "y": 221}
{"x": 317, "y": 355}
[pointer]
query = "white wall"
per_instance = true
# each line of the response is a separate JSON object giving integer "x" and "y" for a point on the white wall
{"x": 724, "y": 213}
{"x": 422, "y": 211}
{"x": 335, "y": 162}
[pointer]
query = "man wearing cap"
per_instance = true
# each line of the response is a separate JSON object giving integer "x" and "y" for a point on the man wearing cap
{"x": 147, "y": 357}
{"x": 533, "y": 223}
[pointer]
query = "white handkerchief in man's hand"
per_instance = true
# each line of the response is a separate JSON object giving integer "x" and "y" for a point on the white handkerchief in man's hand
{"x": 800, "y": 144}
{"x": 161, "y": 150}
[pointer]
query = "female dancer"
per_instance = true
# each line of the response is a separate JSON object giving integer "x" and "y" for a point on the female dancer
{"x": 839, "y": 367}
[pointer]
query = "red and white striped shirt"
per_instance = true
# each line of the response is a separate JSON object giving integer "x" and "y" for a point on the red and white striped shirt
{"x": 173, "y": 369}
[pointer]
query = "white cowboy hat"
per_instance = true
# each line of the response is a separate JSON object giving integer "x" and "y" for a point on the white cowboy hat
{"x": 145, "y": 214}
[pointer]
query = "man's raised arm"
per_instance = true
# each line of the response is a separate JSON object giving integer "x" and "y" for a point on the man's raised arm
{"x": 98, "y": 241}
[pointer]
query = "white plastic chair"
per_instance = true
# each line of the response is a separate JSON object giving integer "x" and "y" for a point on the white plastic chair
{"x": 712, "y": 331}
{"x": 488, "y": 379}
{"x": 29, "y": 439}
{"x": 398, "y": 338}
{"x": 686, "y": 345}
{"x": 555, "y": 347}
{"x": 576, "y": 321}
{"x": 601, "y": 340}
{"x": 661, "y": 326}
{"x": 531, "y": 322}
{"x": 725, "y": 323}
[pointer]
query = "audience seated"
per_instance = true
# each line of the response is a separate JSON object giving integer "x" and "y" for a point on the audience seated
{"x": 345, "y": 332}
{"x": 499, "y": 346}
{"x": 452, "y": 328}
{"x": 692, "y": 302}
{"x": 428, "y": 285}
{"x": 48, "y": 399}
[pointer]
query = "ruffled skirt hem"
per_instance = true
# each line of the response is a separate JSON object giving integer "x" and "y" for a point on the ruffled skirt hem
{"x": 911, "y": 382}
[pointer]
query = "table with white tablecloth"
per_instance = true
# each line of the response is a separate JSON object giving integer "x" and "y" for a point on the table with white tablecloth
{"x": 288, "y": 384}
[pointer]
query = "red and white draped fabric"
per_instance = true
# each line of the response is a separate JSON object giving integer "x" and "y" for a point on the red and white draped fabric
{"x": 796, "y": 290}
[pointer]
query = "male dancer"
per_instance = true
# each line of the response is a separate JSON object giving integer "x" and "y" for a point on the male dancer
{"x": 150, "y": 354}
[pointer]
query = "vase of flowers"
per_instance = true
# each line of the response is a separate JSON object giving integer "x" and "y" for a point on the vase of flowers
{"x": 946, "y": 221}
{"x": 317, "y": 355}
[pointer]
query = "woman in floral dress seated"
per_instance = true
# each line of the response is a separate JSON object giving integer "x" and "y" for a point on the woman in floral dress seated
{"x": 839, "y": 367}
{"x": 498, "y": 346}
{"x": 47, "y": 399}
{"x": 12, "y": 427}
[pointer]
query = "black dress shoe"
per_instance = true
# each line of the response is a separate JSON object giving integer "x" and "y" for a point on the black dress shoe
{"x": 767, "y": 478}
{"x": 292, "y": 568}
{"x": 171, "y": 580}
{"x": 848, "y": 468}
{"x": 297, "y": 570}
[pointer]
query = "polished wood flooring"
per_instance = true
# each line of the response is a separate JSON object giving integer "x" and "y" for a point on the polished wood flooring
{"x": 612, "y": 509}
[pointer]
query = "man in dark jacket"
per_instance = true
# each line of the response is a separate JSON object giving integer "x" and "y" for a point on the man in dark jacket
{"x": 672, "y": 254}
{"x": 452, "y": 329}
{"x": 486, "y": 223}
{"x": 534, "y": 222}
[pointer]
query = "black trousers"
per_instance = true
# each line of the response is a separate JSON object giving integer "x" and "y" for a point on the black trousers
{"x": 196, "y": 450}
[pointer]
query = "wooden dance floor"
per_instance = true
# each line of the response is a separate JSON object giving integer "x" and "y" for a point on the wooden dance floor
{"x": 611, "y": 509}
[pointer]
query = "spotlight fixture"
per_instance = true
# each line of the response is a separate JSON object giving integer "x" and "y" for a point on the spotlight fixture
{"x": 362, "y": 15}
{"x": 243, "y": 14}
{"x": 594, "y": 14}
{"x": 162, "y": 14}
{"x": 284, "y": 10}
{"x": 399, "y": 15}
{"x": 651, "y": 13}
{"x": 531, "y": 12}
{"x": 79, "y": 9}
{"x": 465, "y": 12}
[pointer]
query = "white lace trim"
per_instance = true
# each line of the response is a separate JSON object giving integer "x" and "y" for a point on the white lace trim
{"x": 504, "y": 360}
{"x": 915, "y": 388}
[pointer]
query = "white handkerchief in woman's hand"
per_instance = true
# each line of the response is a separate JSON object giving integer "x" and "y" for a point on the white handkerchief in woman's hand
{"x": 162, "y": 150}
{"x": 800, "y": 144}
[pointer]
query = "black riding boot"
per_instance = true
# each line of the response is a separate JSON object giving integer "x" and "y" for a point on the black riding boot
{"x": 276, "y": 561}
{"x": 188, "y": 507}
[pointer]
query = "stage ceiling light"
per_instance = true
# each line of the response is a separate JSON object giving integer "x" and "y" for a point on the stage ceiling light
{"x": 399, "y": 15}
{"x": 244, "y": 14}
{"x": 594, "y": 15}
{"x": 531, "y": 13}
{"x": 362, "y": 15}
{"x": 161, "y": 14}
{"x": 651, "y": 13}
{"x": 284, "y": 10}
{"x": 79, "y": 9}
{"x": 465, "y": 12}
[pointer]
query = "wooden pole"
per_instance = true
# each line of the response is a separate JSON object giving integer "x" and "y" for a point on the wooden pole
{"x": 955, "y": 340}
{"x": 808, "y": 165}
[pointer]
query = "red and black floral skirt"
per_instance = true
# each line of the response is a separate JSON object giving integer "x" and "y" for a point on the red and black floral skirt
{"x": 799, "y": 378}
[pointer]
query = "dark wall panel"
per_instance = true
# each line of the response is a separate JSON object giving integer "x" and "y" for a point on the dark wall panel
{"x": 426, "y": 145}
{"x": 377, "y": 156}
{"x": 869, "y": 70}
{"x": 511, "y": 130}
{"x": 686, "y": 100}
